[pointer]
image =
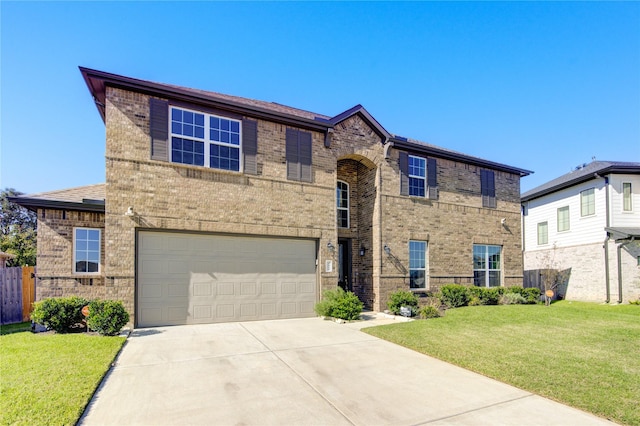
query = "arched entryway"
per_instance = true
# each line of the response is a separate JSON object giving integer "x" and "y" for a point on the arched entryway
{"x": 355, "y": 205}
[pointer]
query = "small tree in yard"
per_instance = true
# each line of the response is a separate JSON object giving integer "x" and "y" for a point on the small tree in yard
{"x": 550, "y": 274}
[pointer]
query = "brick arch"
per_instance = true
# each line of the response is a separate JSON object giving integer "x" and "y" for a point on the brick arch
{"x": 369, "y": 164}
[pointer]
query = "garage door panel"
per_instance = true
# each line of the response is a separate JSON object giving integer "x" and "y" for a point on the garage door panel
{"x": 189, "y": 279}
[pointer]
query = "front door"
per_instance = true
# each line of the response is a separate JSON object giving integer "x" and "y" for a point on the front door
{"x": 344, "y": 264}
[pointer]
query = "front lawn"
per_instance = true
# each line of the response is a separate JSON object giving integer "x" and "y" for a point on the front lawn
{"x": 582, "y": 354}
{"x": 50, "y": 378}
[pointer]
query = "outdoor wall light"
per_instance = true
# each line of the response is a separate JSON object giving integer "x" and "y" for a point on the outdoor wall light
{"x": 130, "y": 212}
{"x": 387, "y": 250}
{"x": 362, "y": 250}
{"x": 331, "y": 247}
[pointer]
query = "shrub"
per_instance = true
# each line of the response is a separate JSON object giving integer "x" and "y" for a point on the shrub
{"x": 454, "y": 295}
{"x": 428, "y": 311}
{"x": 512, "y": 299}
{"x": 485, "y": 295}
{"x": 634, "y": 302}
{"x": 402, "y": 298}
{"x": 107, "y": 317}
{"x": 531, "y": 295}
{"x": 339, "y": 304}
{"x": 62, "y": 314}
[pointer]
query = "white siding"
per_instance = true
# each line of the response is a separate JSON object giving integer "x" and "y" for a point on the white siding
{"x": 582, "y": 230}
{"x": 619, "y": 217}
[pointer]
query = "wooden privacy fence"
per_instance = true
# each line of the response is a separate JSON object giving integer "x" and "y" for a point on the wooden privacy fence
{"x": 536, "y": 278}
{"x": 17, "y": 293}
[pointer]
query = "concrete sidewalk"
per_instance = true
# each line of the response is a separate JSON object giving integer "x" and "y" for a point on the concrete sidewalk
{"x": 302, "y": 372}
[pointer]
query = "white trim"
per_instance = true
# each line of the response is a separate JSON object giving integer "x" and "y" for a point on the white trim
{"x": 73, "y": 266}
{"x": 423, "y": 178}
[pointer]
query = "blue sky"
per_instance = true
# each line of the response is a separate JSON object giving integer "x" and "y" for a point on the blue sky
{"x": 543, "y": 86}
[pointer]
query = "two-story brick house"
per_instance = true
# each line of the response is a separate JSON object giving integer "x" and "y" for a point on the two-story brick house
{"x": 587, "y": 223}
{"x": 220, "y": 208}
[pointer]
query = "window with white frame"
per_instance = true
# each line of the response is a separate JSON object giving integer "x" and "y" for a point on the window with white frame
{"x": 588, "y": 202}
{"x": 417, "y": 176}
{"x": 563, "y": 219}
{"x": 86, "y": 250}
{"x": 543, "y": 233}
{"x": 627, "y": 205}
{"x": 417, "y": 264}
{"x": 342, "y": 204}
{"x": 205, "y": 140}
{"x": 487, "y": 265}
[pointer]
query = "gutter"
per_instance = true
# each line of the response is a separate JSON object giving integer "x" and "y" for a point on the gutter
{"x": 620, "y": 267}
{"x": 606, "y": 240}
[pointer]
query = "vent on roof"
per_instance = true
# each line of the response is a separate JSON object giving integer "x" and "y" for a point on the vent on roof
{"x": 400, "y": 138}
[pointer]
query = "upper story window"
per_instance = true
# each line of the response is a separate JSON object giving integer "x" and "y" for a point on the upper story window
{"x": 417, "y": 264}
{"x": 342, "y": 204}
{"x": 487, "y": 266}
{"x": 205, "y": 140}
{"x": 417, "y": 176}
{"x": 488, "y": 188}
{"x": 588, "y": 202}
{"x": 543, "y": 233}
{"x": 627, "y": 205}
{"x": 86, "y": 250}
{"x": 563, "y": 219}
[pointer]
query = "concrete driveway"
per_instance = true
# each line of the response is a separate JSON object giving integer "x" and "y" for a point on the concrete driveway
{"x": 302, "y": 372}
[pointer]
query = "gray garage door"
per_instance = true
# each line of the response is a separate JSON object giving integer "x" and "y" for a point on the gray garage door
{"x": 195, "y": 279}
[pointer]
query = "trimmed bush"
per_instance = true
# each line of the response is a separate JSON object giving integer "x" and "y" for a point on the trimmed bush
{"x": 454, "y": 295}
{"x": 107, "y": 317}
{"x": 531, "y": 295}
{"x": 512, "y": 299}
{"x": 339, "y": 304}
{"x": 485, "y": 295}
{"x": 402, "y": 298}
{"x": 61, "y": 314}
{"x": 428, "y": 311}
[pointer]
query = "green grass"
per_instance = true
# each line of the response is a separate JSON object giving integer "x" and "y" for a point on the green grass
{"x": 581, "y": 354}
{"x": 50, "y": 378}
{"x": 15, "y": 328}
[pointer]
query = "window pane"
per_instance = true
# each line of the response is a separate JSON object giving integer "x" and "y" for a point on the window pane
{"x": 563, "y": 219}
{"x": 176, "y": 114}
{"x": 224, "y": 137}
{"x": 215, "y": 123}
{"x": 235, "y": 126}
{"x": 494, "y": 278}
{"x": 487, "y": 265}
{"x": 81, "y": 234}
{"x": 587, "y": 202}
{"x": 417, "y": 279}
{"x": 626, "y": 197}
{"x": 416, "y": 187}
{"x": 224, "y": 124}
{"x": 543, "y": 235}
{"x": 187, "y": 117}
{"x": 479, "y": 278}
{"x": 92, "y": 267}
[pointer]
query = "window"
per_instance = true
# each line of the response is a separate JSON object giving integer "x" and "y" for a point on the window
{"x": 486, "y": 266}
{"x": 588, "y": 202}
{"x": 563, "y": 219}
{"x": 543, "y": 233}
{"x": 488, "y": 188}
{"x": 298, "y": 155}
{"x": 86, "y": 250}
{"x": 417, "y": 175}
{"x": 417, "y": 264}
{"x": 626, "y": 197}
{"x": 342, "y": 204}
{"x": 205, "y": 140}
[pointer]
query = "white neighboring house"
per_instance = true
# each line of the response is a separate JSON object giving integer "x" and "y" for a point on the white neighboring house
{"x": 588, "y": 222}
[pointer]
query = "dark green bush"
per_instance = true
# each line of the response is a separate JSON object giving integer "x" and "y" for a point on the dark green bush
{"x": 428, "y": 311}
{"x": 485, "y": 295}
{"x": 455, "y": 295}
{"x": 62, "y": 314}
{"x": 107, "y": 317}
{"x": 339, "y": 304}
{"x": 531, "y": 295}
{"x": 402, "y": 298}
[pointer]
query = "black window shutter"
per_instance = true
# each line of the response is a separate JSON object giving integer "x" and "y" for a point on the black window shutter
{"x": 159, "y": 129}
{"x": 432, "y": 178}
{"x": 488, "y": 188}
{"x": 250, "y": 146}
{"x": 293, "y": 165}
{"x": 304, "y": 155}
{"x": 403, "y": 163}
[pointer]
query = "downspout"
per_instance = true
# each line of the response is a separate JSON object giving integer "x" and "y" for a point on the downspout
{"x": 606, "y": 267}
{"x": 620, "y": 267}
{"x": 606, "y": 241}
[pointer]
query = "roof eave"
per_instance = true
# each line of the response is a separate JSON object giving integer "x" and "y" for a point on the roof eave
{"x": 529, "y": 195}
{"x": 441, "y": 153}
{"x": 36, "y": 203}
{"x": 97, "y": 81}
